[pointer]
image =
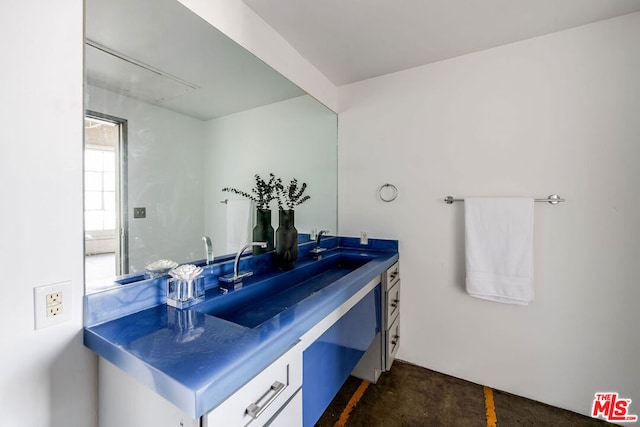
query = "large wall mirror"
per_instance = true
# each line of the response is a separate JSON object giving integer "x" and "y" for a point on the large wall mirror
{"x": 176, "y": 111}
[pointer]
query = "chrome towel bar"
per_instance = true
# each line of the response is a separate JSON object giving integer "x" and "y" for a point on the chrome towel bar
{"x": 553, "y": 199}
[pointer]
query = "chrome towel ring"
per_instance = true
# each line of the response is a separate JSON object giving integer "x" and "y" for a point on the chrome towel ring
{"x": 388, "y": 192}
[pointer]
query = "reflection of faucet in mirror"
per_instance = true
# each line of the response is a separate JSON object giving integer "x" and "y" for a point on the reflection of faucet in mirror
{"x": 315, "y": 252}
{"x": 208, "y": 247}
{"x": 197, "y": 98}
{"x": 235, "y": 281}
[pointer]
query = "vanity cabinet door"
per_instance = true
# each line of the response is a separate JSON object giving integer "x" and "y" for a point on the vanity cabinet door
{"x": 393, "y": 302}
{"x": 258, "y": 401}
{"x": 290, "y": 415}
{"x": 393, "y": 274}
{"x": 391, "y": 323}
{"x": 392, "y": 342}
{"x": 124, "y": 402}
{"x": 379, "y": 357}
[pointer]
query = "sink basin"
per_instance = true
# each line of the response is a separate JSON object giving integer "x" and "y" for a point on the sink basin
{"x": 258, "y": 302}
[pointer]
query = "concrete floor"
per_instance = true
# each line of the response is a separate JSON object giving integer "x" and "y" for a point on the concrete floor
{"x": 411, "y": 396}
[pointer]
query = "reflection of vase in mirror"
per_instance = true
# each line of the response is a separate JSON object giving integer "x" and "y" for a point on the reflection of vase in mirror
{"x": 286, "y": 240}
{"x": 202, "y": 117}
{"x": 263, "y": 231}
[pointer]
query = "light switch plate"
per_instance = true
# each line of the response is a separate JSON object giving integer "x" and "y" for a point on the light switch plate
{"x": 52, "y": 304}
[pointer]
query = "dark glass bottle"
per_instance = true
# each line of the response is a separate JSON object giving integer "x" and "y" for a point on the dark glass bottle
{"x": 286, "y": 240}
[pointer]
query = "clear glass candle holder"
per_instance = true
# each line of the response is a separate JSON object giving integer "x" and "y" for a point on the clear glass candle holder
{"x": 184, "y": 293}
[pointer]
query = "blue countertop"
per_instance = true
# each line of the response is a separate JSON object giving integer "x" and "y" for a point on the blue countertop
{"x": 196, "y": 360}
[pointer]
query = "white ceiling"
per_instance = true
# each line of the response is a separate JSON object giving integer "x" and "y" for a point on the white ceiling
{"x": 352, "y": 40}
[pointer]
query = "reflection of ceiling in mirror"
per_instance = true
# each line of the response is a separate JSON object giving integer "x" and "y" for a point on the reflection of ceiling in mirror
{"x": 113, "y": 72}
{"x": 191, "y": 67}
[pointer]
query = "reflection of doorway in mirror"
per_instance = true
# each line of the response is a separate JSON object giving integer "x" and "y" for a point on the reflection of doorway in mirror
{"x": 104, "y": 226}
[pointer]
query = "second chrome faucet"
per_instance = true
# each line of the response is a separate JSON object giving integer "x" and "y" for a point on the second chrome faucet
{"x": 208, "y": 249}
{"x": 315, "y": 252}
{"x": 234, "y": 281}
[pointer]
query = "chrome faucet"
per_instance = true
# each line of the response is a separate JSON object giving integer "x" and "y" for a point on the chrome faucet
{"x": 208, "y": 247}
{"x": 315, "y": 252}
{"x": 319, "y": 236}
{"x": 231, "y": 282}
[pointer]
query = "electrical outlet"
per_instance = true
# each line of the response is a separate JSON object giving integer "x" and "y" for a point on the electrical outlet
{"x": 139, "y": 212}
{"x": 54, "y": 310}
{"x": 364, "y": 238}
{"x": 54, "y": 298}
{"x": 52, "y": 304}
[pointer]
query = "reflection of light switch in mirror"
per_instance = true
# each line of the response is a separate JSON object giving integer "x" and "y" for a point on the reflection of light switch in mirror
{"x": 139, "y": 212}
{"x": 168, "y": 179}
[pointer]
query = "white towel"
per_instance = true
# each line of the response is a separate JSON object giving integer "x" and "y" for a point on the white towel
{"x": 499, "y": 249}
{"x": 238, "y": 224}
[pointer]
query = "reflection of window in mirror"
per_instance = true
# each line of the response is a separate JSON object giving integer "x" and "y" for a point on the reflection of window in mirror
{"x": 102, "y": 223}
{"x": 202, "y": 114}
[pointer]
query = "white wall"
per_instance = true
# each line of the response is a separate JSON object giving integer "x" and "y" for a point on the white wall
{"x": 554, "y": 114}
{"x": 292, "y": 139}
{"x": 164, "y": 175}
{"x": 245, "y": 27}
{"x": 48, "y": 379}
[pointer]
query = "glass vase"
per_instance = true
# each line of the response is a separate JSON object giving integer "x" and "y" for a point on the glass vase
{"x": 263, "y": 231}
{"x": 286, "y": 240}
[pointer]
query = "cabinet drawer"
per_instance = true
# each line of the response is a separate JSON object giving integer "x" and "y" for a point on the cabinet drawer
{"x": 392, "y": 342}
{"x": 393, "y": 302}
{"x": 393, "y": 274}
{"x": 290, "y": 415}
{"x": 258, "y": 400}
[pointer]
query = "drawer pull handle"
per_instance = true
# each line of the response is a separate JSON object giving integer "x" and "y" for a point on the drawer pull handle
{"x": 395, "y": 302}
{"x": 254, "y": 410}
{"x": 395, "y": 339}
